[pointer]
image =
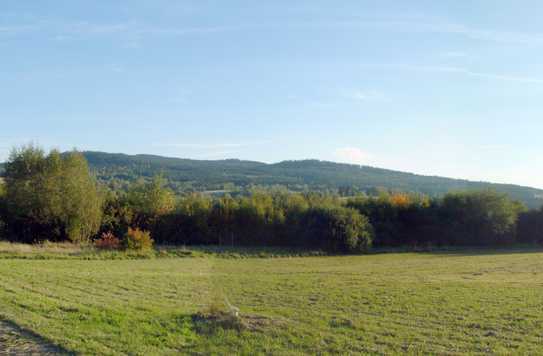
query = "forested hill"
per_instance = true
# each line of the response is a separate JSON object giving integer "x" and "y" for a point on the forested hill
{"x": 185, "y": 174}
{"x": 117, "y": 170}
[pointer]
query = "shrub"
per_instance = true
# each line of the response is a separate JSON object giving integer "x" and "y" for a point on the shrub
{"x": 398, "y": 219}
{"x": 338, "y": 229}
{"x": 149, "y": 201}
{"x": 138, "y": 240}
{"x": 479, "y": 218}
{"x": 108, "y": 241}
{"x": 530, "y": 227}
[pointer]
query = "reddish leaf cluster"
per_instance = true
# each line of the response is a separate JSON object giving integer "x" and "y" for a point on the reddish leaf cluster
{"x": 108, "y": 241}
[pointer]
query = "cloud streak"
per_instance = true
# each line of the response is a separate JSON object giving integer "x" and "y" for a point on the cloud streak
{"x": 407, "y": 25}
{"x": 367, "y": 95}
{"x": 462, "y": 71}
{"x": 68, "y": 30}
{"x": 353, "y": 155}
{"x": 15, "y": 30}
{"x": 211, "y": 150}
{"x": 210, "y": 146}
{"x": 139, "y": 30}
{"x": 473, "y": 33}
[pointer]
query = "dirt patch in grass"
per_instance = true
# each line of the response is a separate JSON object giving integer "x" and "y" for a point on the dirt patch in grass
{"x": 15, "y": 340}
{"x": 211, "y": 322}
{"x": 261, "y": 323}
{"x": 337, "y": 322}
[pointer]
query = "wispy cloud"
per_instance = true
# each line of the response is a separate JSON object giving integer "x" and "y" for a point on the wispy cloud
{"x": 72, "y": 29}
{"x": 443, "y": 27}
{"x": 131, "y": 33}
{"x": 210, "y": 150}
{"x": 353, "y": 155}
{"x": 461, "y": 71}
{"x": 454, "y": 54}
{"x": 117, "y": 68}
{"x": 15, "y": 29}
{"x": 405, "y": 25}
{"x": 505, "y": 77}
{"x": 218, "y": 154}
{"x": 133, "y": 28}
{"x": 366, "y": 95}
{"x": 210, "y": 146}
{"x": 496, "y": 35}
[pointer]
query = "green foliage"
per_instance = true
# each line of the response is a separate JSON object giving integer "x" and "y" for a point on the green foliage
{"x": 466, "y": 218}
{"x": 183, "y": 176}
{"x": 3, "y": 210}
{"x": 51, "y": 196}
{"x": 479, "y": 218}
{"x": 338, "y": 229}
{"x": 399, "y": 219}
{"x": 193, "y": 212}
{"x": 223, "y": 217}
{"x": 530, "y": 227}
{"x": 150, "y": 200}
{"x": 277, "y": 217}
{"x": 118, "y": 215}
{"x": 138, "y": 240}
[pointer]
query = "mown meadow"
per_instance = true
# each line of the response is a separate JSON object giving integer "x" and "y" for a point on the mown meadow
{"x": 91, "y": 270}
{"x": 464, "y": 301}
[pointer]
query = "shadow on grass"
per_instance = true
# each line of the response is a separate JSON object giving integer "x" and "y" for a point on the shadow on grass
{"x": 266, "y": 252}
{"x": 16, "y": 340}
{"x": 461, "y": 251}
{"x": 487, "y": 252}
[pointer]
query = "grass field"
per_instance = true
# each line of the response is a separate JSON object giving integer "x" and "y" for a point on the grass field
{"x": 440, "y": 303}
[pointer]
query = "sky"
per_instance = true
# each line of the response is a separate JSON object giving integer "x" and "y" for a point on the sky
{"x": 451, "y": 88}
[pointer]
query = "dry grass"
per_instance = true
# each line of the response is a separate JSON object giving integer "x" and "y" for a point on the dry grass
{"x": 17, "y": 341}
{"x": 46, "y": 247}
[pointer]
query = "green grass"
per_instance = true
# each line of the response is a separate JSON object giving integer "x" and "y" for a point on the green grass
{"x": 439, "y": 303}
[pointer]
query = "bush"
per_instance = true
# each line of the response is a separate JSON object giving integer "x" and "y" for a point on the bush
{"x": 398, "y": 219}
{"x": 138, "y": 240}
{"x": 530, "y": 227}
{"x": 479, "y": 218}
{"x": 108, "y": 241}
{"x": 149, "y": 201}
{"x": 338, "y": 229}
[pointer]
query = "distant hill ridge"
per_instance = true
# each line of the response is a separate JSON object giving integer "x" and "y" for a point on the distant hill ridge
{"x": 188, "y": 174}
{"x": 310, "y": 174}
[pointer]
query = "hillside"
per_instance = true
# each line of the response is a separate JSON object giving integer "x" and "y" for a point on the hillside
{"x": 186, "y": 174}
{"x": 118, "y": 170}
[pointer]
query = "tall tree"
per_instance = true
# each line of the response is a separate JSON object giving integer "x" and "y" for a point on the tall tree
{"x": 51, "y": 196}
{"x": 149, "y": 201}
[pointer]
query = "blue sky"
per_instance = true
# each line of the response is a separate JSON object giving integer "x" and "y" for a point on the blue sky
{"x": 451, "y": 88}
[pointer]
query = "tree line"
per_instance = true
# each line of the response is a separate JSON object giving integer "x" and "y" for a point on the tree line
{"x": 118, "y": 171}
{"x": 55, "y": 197}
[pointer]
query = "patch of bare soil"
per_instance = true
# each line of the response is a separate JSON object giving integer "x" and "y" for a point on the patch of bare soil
{"x": 209, "y": 322}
